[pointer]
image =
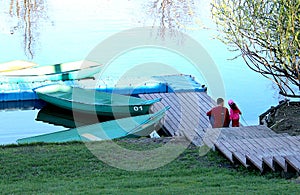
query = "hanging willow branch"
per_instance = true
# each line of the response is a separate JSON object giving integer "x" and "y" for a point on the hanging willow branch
{"x": 267, "y": 34}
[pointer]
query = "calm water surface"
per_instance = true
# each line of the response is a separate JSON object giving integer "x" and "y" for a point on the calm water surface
{"x": 70, "y": 31}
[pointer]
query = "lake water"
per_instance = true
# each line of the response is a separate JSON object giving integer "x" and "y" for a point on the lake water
{"x": 69, "y": 30}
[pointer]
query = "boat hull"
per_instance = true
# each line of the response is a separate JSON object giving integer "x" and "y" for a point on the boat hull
{"x": 94, "y": 102}
{"x": 12, "y": 66}
{"x": 74, "y": 75}
{"x": 47, "y": 70}
{"x": 126, "y": 127}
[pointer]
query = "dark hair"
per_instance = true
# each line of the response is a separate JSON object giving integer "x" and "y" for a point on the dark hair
{"x": 220, "y": 100}
{"x": 233, "y": 106}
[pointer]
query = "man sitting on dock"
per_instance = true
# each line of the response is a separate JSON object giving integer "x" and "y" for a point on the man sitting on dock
{"x": 219, "y": 115}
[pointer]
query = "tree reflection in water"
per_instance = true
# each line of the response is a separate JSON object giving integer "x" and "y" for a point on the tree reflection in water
{"x": 28, "y": 14}
{"x": 172, "y": 15}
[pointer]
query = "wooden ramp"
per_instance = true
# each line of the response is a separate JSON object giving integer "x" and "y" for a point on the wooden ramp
{"x": 187, "y": 115}
{"x": 250, "y": 146}
{"x": 258, "y": 147}
{"x": 255, "y": 146}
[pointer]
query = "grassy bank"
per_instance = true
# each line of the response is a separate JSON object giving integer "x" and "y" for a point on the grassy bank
{"x": 72, "y": 168}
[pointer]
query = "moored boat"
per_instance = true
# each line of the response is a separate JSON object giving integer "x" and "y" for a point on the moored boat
{"x": 59, "y": 72}
{"x": 62, "y": 117}
{"x": 12, "y": 66}
{"x": 94, "y": 102}
{"x": 50, "y": 69}
{"x": 63, "y": 76}
{"x": 135, "y": 126}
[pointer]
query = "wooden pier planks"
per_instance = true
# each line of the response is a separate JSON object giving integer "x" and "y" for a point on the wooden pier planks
{"x": 262, "y": 148}
{"x": 187, "y": 115}
{"x": 292, "y": 162}
{"x": 251, "y": 146}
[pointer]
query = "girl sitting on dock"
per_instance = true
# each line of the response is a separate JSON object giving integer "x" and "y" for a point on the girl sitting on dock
{"x": 234, "y": 114}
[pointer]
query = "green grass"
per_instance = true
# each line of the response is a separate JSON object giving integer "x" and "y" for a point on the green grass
{"x": 73, "y": 169}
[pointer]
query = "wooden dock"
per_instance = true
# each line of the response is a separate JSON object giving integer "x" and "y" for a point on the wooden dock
{"x": 251, "y": 146}
{"x": 260, "y": 148}
{"x": 187, "y": 114}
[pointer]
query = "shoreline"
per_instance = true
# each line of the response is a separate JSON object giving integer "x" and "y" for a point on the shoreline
{"x": 283, "y": 118}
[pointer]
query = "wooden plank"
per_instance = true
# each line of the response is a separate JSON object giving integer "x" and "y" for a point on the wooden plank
{"x": 258, "y": 143}
{"x": 205, "y": 104}
{"x": 224, "y": 150}
{"x": 194, "y": 102}
{"x": 251, "y": 145}
{"x": 157, "y": 106}
{"x": 171, "y": 121}
{"x": 289, "y": 140}
{"x": 293, "y": 141}
{"x": 174, "y": 114}
{"x": 243, "y": 132}
{"x": 245, "y": 144}
{"x": 207, "y": 99}
{"x": 292, "y": 161}
{"x": 229, "y": 146}
{"x": 255, "y": 161}
{"x": 211, "y": 137}
{"x": 247, "y": 132}
{"x": 268, "y": 161}
{"x": 259, "y": 131}
{"x": 269, "y": 142}
{"x": 190, "y": 119}
{"x": 261, "y": 158}
{"x": 279, "y": 163}
{"x": 240, "y": 157}
{"x": 193, "y": 109}
{"x": 175, "y": 109}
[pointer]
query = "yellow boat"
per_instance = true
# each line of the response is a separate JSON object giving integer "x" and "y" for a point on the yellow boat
{"x": 15, "y": 65}
{"x": 53, "y": 69}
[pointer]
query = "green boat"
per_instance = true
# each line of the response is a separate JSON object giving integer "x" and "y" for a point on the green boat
{"x": 136, "y": 126}
{"x": 62, "y": 117}
{"x": 68, "y": 71}
{"x": 92, "y": 101}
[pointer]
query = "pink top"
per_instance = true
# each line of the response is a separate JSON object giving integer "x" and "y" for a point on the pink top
{"x": 235, "y": 114}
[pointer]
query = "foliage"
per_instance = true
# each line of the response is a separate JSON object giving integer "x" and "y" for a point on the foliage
{"x": 267, "y": 34}
{"x": 72, "y": 169}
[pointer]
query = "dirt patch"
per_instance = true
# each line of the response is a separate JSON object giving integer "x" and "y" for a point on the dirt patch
{"x": 285, "y": 118}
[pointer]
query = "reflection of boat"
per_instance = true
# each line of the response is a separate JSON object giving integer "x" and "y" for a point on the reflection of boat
{"x": 136, "y": 126}
{"x": 92, "y": 101}
{"x": 67, "y": 71}
{"x": 62, "y": 117}
{"x": 6, "y": 67}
